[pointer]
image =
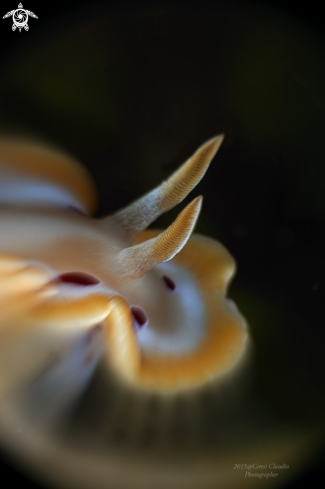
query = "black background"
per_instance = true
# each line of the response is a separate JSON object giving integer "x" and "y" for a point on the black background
{"x": 311, "y": 13}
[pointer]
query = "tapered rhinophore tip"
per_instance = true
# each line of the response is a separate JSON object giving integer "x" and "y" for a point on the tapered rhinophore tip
{"x": 137, "y": 260}
{"x": 136, "y": 217}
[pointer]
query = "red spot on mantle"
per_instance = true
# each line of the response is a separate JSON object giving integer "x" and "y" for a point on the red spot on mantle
{"x": 170, "y": 284}
{"x": 78, "y": 278}
{"x": 139, "y": 315}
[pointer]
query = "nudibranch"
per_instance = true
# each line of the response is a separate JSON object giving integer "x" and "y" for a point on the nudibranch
{"x": 155, "y": 299}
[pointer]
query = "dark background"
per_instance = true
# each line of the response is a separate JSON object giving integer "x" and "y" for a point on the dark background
{"x": 132, "y": 88}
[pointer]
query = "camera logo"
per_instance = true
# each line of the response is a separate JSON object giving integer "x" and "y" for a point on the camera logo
{"x": 20, "y": 18}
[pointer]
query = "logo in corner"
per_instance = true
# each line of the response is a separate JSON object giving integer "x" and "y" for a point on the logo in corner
{"x": 20, "y": 18}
